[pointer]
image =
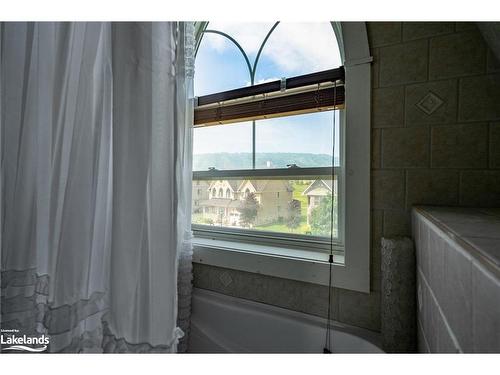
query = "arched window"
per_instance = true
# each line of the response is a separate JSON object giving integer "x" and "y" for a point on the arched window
{"x": 234, "y": 55}
{"x": 213, "y": 193}
{"x": 319, "y": 137}
{"x": 228, "y": 193}
{"x": 221, "y": 193}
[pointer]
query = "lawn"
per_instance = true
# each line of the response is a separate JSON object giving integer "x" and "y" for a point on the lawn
{"x": 298, "y": 188}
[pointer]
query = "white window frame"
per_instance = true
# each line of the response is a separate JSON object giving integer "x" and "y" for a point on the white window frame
{"x": 301, "y": 262}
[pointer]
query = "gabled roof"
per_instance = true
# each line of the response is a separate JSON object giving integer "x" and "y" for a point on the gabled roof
{"x": 234, "y": 184}
{"x": 258, "y": 185}
{"x": 319, "y": 182}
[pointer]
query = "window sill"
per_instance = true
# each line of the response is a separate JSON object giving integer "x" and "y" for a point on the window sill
{"x": 295, "y": 264}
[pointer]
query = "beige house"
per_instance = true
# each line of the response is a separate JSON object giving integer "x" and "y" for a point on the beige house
{"x": 200, "y": 193}
{"x": 316, "y": 191}
{"x": 226, "y": 198}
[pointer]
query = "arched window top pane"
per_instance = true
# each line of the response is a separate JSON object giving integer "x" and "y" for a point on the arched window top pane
{"x": 219, "y": 66}
{"x": 292, "y": 49}
{"x": 248, "y": 34}
{"x": 298, "y": 48}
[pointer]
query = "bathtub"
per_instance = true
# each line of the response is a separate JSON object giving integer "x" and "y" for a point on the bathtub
{"x": 224, "y": 324}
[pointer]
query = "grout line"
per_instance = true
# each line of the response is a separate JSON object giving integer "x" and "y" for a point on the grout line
{"x": 428, "y": 59}
{"x": 404, "y": 106}
{"x": 430, "y": 147}
{"x": 379, "y": 65}
{"x": 460, "y": 187}
{"x": 440, "y": 311}
{"x": 421, "y": 329}
{"x": 405, "y": 188}
{"x": 488, "y": 145}
{"x": 381, "y": 149}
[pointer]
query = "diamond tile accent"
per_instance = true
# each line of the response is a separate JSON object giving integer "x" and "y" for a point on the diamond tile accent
{"x": 430, "y": 103}
{"x": 226, "y": 279}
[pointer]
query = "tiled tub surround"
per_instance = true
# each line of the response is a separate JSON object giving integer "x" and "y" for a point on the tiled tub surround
{"x": 458, "y": 279}
{"x": 422, "y": 153}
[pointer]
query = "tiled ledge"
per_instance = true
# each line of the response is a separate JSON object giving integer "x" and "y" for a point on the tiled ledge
{"x": 458, "y": 279}
{"x": 477, "y": 230}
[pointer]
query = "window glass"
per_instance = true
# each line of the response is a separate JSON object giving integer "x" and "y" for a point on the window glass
{"x": 281, "y": 206}
{"x": 289, "y": 51}
{"x": 248, "y": 34}
{"x": 219, "y": 66}
{"x": 223, "y": 147}
{"x": 304, "y": 140}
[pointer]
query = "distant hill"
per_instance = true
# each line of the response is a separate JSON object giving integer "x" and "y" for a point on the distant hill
{"x": 243, "y": 160}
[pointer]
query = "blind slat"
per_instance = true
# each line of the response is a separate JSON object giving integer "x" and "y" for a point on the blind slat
{"x": 305, "y": 102}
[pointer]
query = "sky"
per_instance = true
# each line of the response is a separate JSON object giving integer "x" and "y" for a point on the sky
{"x": 292, "y": 49}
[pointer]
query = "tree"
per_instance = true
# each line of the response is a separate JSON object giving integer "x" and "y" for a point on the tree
{"x": 293, "y": 214}
{"x": 248, "y": 213}
{"x": 321, "y": 217}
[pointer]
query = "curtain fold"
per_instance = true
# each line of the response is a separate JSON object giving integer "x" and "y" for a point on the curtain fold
{"x": 94, "y": 137}
{"x": 184, "y": 166}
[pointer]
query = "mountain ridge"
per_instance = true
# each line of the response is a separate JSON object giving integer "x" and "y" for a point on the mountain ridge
{"x": 243, "y": 160}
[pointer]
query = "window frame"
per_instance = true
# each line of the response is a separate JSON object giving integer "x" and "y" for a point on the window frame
{"x": 354, "y": 177}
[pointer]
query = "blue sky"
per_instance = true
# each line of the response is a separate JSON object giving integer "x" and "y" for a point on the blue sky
{"x": 293, "y": 49}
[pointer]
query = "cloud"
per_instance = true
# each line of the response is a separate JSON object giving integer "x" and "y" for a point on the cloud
{"x": 295, "y": 48}
{"x": 263, "y": 80}
{"x": 248, "y": 35}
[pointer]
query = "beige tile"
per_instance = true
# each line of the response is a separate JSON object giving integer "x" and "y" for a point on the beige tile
{"x": 376, "y": 235}
{"x": 429, "y": 318}
{"x": 377, "y": 221}
{"x": 403, "y": 63}
{"x": 388, "y": 189}
{"x": 457, "y": 55}
{"x": 405, "y": 147}
{"x": 417, "y": 30}
{"x": 436, "y": 264}
{"x": 376, "y": 152}
{"x": 432, "y": 187}
{"x": 479, "y": 98}
{"x": 457, "y": 301}
{"x": 465, "y": 26}
{"x": 397, "y": 223}
{"x": 489, "y": 247}
{"x": 445, "y": 343}
{"x": 289, "y": 294}
{"x": 485, "y": 311}
{"x": 383, "y": 33}
{"x": 375, "y": 67}
{"x": 360, "y": 309}
{"x": 476, "y": 229}
{"x": 480, "y": 188}
{"x": 422, "y": 249}
{"x": 493, "y": 65}
{"x": 445, "y": 111}
{"x": 459, "y": 146}
{"x": 423, "y": 347}
{"x": 387, "y": 107}
{"x": 495, "y": 145}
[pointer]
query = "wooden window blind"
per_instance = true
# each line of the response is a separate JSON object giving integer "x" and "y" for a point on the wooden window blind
{"x": 308, "y": 93}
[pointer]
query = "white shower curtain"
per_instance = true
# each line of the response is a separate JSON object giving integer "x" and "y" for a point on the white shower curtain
{"x": 96, "y": 160}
